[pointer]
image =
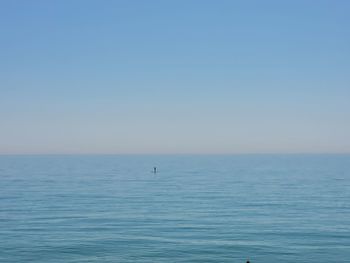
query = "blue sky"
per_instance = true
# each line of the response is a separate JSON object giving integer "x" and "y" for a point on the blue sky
{"x": 174, "y": 76}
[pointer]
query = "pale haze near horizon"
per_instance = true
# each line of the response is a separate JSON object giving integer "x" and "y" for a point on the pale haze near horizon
{"x": 174, "y": 77}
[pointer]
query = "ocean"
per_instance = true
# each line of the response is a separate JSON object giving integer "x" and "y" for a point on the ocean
{"x": 196, "y": 208}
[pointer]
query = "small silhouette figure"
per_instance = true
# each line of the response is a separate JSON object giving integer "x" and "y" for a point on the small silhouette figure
{"x": 154, "y": 169}
{"x": 248, "y": 261}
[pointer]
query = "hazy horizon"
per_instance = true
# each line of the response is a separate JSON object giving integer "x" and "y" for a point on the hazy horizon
{"x": 178, "y": 154}
{"x": 182, "y": 77}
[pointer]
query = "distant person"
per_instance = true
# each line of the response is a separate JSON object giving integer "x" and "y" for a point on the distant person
{"x": 248, "y": 261}
{"x": 154, "y": 169}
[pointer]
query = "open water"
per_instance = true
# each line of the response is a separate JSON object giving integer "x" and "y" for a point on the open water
{"x": 197, "y": 208}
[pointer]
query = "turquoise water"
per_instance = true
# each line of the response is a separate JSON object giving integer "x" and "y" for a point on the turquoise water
{"x": 268, "y": 208}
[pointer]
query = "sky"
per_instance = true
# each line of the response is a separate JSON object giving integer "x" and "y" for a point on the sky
{"x": 184, "y": 76}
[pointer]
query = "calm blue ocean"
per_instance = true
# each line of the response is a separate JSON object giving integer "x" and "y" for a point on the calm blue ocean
{"x": 209, "y": 208}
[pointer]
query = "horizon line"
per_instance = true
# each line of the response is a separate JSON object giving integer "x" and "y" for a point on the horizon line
{"x": 248, "y": 153}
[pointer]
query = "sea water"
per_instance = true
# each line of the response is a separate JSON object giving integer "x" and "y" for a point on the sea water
{"x": 196, "y": 208}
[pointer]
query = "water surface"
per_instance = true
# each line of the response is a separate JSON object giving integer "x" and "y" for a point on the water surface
{"x": 205, "y": 208}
